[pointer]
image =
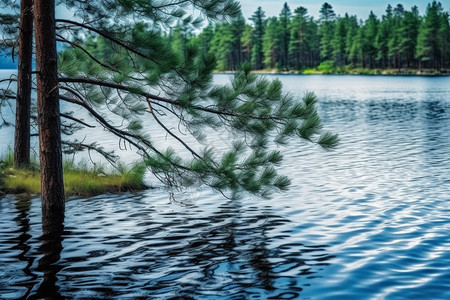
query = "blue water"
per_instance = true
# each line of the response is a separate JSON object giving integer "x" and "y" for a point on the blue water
{"x": 370, "y": 220}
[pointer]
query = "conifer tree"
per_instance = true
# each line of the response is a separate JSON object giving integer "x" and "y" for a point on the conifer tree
{"x": 356, "y": 52}
{"x": 50, "y": 150}
{"x": 351, "y": 35}
{"x": 17, "y": 35}
{"x": 222, "y": 46}
{"x": 409, "y": 29}
{"x": 145, "y": 79}
{"x": 247, "y": 43}
{"x": 428, "y": 50}
{"x": 271, "y": 44}
{"x": 178, "y": 39}
{"x": 23, "y": 99}
{"x": 298, "y": 47}
{"x": 394, "y": 50}
{"x": 326, "y": 30}
{"x": 285, "y": 19}
{"x": 237, "y": 27}
{"x": 258, "y": 19}
{"x": 202, "y": 41}
{"x": 339, "y": 41}
{"x": 384, "y": 32}
{"x": 370, "y": 31}
{"x": 444, "y": 39}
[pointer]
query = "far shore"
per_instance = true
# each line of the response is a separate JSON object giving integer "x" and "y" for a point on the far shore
{"x": 347, "y": 71}
{"x": 342, "y": 71}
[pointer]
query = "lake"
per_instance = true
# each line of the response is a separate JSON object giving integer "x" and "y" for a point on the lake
{"x": 370, "y": 220}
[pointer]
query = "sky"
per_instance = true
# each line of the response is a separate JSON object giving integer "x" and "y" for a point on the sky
{"x": 353, "y": 7}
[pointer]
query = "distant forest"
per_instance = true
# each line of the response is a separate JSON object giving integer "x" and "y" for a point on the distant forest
{"x": 400, "y": 39}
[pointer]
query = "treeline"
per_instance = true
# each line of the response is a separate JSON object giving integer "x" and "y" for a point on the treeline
{"x": 401, "y": 38}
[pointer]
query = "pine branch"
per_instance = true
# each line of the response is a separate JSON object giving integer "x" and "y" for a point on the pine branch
{"x": 62, "y": 39}
{"x": 170, "y": 132}
{"x": 107, "y": 36}
{"x": 159, "y": 98}
{"x": 76, "y": 120}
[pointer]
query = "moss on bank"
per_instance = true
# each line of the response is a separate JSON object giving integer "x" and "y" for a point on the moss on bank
{"x": 80, "y": 180}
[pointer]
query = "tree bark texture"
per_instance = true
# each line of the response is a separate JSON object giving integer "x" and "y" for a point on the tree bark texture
{"x": 50, "y": 155}
{"x": 23, "y": 100}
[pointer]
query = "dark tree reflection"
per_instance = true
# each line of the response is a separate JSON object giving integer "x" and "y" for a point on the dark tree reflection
{"x": 50, "y": 249}
{"x": 22, "y": 205}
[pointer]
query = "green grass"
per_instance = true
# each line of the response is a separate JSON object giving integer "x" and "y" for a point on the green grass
{"x": 80, "y": 179}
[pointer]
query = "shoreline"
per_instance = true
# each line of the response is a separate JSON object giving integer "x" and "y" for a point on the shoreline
{"x": 79, "y": 180}
{"x": 368, "y": 72}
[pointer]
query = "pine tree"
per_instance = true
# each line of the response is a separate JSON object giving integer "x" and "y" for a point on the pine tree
{"x": 394, "y": 50}
{"x": 237, "y": 27}
{"x": 298, "y": 42}
{"x": 350, "y": 39}
{"x": 409, "y": 29}
{"x": 370, "y": 31}
{"x": 145, "y": 78}
{"x": 444, "y": 40}
{"x": 327, "y": 13}
{"x": 247, "y": 43}
{"x": 16, "y": 31}
{"x": 24, "y": 80}
{"x": 50, "y": 150}
{"x": 222, "y": 46}
{"x": 203, "y": 40}
{"x": 428, "y": 50}
{"x": 385, "y": 29}
{"x": 178, "y": 39}
{"x": 339, "y": 41}
{"x": 271, "y": 44}
{"x": 326, "y": 30}
{"x": 284, "y": 21}
{"x": 356, "y": 52}
{"x": 258, "y": 33}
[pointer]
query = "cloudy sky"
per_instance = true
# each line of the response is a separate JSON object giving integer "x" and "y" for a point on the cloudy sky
{"x": 352, "y": 7}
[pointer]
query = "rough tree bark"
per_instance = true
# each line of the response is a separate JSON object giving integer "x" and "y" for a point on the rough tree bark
{"x": 23, "y": 100}
{"x": 50, "y": 155}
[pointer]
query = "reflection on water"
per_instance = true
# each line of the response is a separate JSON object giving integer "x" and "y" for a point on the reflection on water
{"x": 370, "y": 220}
{"x": 50, "y": 250}
{"x": 22, "y": 206}
{"x": 131, "y": 246}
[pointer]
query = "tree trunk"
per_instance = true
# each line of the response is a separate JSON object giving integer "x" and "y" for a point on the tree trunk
{"x": 23, "y": 101}
{"x": 52, "y": 187}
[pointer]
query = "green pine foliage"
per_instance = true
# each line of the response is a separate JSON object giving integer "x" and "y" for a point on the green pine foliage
{"x": 258, "y": 19}
{"x": 400, "y": 39}
{"x": 139, "y": 80}
{"x": 254, "y": 108}
{"x": 433, "y": 38}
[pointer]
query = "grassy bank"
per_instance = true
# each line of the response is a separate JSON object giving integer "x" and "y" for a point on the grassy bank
{"x": 345, "y": 70}
{"x": 80, "y": 180}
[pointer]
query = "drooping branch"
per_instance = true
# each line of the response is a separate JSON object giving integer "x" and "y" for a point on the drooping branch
{"x": 107, "y": 36}
{"x": 80, "y": 146}
{"x": 170, "y": 132}
{"x": 76, "y": 120}
{"x": 62, "y": 39}
{"x": 156, "y": 97}
{"x": 118, "y": 132}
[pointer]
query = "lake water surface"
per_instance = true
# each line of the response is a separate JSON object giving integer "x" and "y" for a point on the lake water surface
{"x": 370, "y": 220}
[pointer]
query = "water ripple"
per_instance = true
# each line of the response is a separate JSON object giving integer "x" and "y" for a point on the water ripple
{"x": 368, "y": 221}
